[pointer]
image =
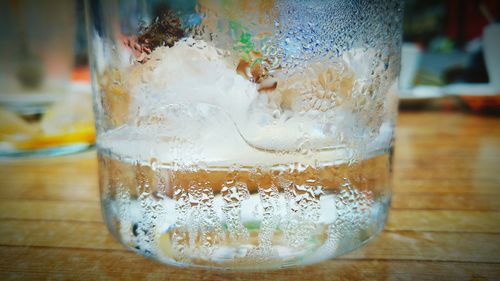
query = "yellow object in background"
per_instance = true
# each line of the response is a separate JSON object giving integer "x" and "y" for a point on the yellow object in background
{"x": 11, "y": 125}
{"x": 68, "y": 115}
{"x": 68, "y": 121}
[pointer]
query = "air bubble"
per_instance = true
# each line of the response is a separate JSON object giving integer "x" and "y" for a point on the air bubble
{"x": 276, "y": 114}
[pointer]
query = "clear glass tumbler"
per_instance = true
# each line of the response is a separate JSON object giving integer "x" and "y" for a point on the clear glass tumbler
{"x": 244, "y": 134}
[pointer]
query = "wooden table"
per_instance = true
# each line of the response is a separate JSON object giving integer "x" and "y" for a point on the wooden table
{"x": 444, "y": 223}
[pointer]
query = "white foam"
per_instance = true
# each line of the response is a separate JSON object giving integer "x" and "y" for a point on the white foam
{"x": 190, "y": 73}
{"x": 190, "y": 105}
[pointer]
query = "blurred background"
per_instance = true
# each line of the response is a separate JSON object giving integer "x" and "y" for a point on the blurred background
{"x": 451, "y": 49}
{"x": 45, "y": 94}
{"x": 450, "y": 61}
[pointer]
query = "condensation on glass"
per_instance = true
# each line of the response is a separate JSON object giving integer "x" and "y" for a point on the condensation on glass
{"x": 244, "y": 134}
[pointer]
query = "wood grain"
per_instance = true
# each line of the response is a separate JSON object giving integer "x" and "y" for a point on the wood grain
{"x": 84, "y": 264}
{"x": 444, "y": 223}
{"x": 407, "y": 245}
{"x": 72, "y": 264}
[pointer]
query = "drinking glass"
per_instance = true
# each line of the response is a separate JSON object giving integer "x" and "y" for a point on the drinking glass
{"x": 244, "y": 135}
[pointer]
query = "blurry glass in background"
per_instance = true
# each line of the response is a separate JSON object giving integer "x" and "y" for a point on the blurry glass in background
{"x": 41, "y": 110}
